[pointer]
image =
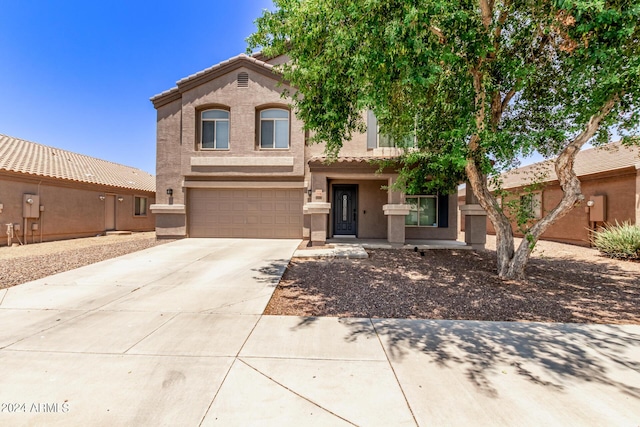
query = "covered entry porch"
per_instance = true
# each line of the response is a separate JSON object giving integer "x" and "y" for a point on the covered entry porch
{"x": 351, "y": 199}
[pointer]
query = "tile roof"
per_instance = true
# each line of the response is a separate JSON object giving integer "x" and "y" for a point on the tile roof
{"x": 610, "y": 157}
{"x": 340, "y": 159}
{"x": 229, "y": 61}
{"x": 18, "y": 155}
{"x": 202, "y": 76}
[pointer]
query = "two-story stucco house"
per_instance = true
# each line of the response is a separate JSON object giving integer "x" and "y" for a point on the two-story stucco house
{"x": 234, "y": 161}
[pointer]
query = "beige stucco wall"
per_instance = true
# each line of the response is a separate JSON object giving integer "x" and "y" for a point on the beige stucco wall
{"x": 71, "y": 209}
{"x": 244, "y": 105}
{"x": 168, "y": 149}
{"x": 180, "y": 159}
{"x": 621, "y": 193}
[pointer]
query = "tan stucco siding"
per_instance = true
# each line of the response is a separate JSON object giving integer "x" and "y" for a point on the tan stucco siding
{"x": 70, "y": 209}
{"x": 243, "y": 105}
{"x": 620, "y": 191}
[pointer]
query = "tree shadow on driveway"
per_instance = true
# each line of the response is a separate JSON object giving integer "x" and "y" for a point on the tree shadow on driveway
{"x": 549, "y": 355}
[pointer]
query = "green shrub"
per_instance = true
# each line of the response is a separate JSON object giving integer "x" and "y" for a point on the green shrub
{"x": 618, "y": 241}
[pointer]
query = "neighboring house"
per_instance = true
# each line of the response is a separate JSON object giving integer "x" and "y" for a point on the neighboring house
{"x": 610, "y": 182}
{"x": 233, "y": 160}
{"x": 52, "y": 194}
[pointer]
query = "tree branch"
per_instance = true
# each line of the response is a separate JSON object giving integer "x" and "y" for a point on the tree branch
{"x": 438, "y": 32}
{"x": 486, "y": 7}
{"x": 567, "y": 178}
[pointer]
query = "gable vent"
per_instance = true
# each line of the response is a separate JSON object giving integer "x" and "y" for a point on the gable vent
{"x": 243, "y": 79}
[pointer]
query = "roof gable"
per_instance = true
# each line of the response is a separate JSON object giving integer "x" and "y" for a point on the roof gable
{"x": 213, "y": 72}
{"x": 20, "y": 156}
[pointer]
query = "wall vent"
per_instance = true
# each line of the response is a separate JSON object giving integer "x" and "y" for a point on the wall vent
{"x": 243, "y": 79}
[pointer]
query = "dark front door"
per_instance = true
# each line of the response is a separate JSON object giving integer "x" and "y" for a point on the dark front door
{"x": 345, "y": 210}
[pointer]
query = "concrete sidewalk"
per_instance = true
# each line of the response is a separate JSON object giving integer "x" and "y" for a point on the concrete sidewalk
{"x": 174, "y": 335}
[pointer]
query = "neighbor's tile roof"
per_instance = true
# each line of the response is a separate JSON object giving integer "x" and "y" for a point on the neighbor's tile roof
{"x": 610, "y": 157}
{"x": 18, "y": 155}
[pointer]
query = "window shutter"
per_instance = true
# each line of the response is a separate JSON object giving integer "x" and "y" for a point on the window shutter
{"x": 372, "y": 130}
{"x": 443, "y": 210}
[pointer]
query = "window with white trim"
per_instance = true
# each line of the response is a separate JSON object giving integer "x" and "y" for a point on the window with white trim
{"x": 274, "y": 129}
{"x": 139, "y": 206}
{"x": 424, "y": 211}
{"x": 215, "y": 130}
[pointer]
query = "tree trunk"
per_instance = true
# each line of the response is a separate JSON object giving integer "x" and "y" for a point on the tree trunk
{"x": 511, "y": 264}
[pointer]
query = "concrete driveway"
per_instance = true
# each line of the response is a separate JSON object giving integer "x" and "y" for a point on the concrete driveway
{"x": 173, "y": 335}
{"x": 143, "y": 339}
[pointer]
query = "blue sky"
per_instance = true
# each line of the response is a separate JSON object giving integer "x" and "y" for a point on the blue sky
{"x": 78, "y": 75}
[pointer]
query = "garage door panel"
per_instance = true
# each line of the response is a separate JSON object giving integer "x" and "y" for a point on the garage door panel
{"x": 248, "y": 213}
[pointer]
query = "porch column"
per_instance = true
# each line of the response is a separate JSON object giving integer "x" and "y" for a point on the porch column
{"x": 396, "y": 211}
{"x": 475, "y": 221}
{"x": 319, "y": 213}
{"x": 396, "y": 214}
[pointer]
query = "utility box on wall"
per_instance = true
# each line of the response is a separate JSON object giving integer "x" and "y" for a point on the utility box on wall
{"x": 30, "y": 206}
{"x": 598, "y": 211}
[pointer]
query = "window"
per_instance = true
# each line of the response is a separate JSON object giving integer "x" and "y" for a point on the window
{"x": 387, "y": 141}
{"x": 424, "y": 211}
{"x": 274, "y": 128}
{"x": 215, "y": 130}
{"x": 140, "y": 206}
{"x": 531, "y": 203}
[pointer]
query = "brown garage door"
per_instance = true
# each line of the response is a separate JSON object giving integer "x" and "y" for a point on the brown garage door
{"x": 256, "y": 213}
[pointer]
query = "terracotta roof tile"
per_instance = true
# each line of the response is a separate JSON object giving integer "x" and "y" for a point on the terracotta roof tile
{"x": 610, "y": 157}
{"x": 18, "y": 155}
{"x": 322, "y": 159}
{"x": 237, "y": 58}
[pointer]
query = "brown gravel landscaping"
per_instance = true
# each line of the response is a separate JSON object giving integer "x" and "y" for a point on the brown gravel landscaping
{"x": 23, "y": 264}
{"x": 565, "y": 283}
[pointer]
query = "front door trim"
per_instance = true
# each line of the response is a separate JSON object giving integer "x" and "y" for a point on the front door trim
{"x": 345, "y": 210}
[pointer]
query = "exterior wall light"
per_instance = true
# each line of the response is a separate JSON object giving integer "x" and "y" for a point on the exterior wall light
{"x": 120, "y": 199}
{"x": 101, "y": 197}
{"x": 590, "y": 203}
{"x": 170, "y": 191}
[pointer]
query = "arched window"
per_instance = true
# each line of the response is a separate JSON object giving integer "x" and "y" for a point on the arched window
{"x": 215, "y": 130}
{"x": 274, "y": 128}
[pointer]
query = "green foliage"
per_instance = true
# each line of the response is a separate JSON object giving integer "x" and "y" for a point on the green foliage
{"x": 541, "y": 70}
{"x": 619, "y": 241}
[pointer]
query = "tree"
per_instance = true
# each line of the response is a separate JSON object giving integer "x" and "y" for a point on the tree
{"x": 480, "y": 83}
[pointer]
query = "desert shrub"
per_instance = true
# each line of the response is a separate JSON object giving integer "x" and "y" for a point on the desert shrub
{"x": 618, "y": 241}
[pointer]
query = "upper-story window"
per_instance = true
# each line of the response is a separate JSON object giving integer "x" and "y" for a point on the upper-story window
{"x": 387, "y": 141}
{"x": 215, "y": 130}
{"x": 274, "y": 128}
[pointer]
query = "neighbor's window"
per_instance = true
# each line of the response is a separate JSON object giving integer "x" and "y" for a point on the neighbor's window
{"x": 424, "y": 211}
{"x": 274, "y": 128}
{"x": 215, "y": 130}
{"x": 532, "y": 204}
{"x": 140, "y": 206}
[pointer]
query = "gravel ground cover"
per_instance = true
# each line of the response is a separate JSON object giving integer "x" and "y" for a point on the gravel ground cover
{"x": 23, "y": 264}
{"x": 564, "y": 283}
